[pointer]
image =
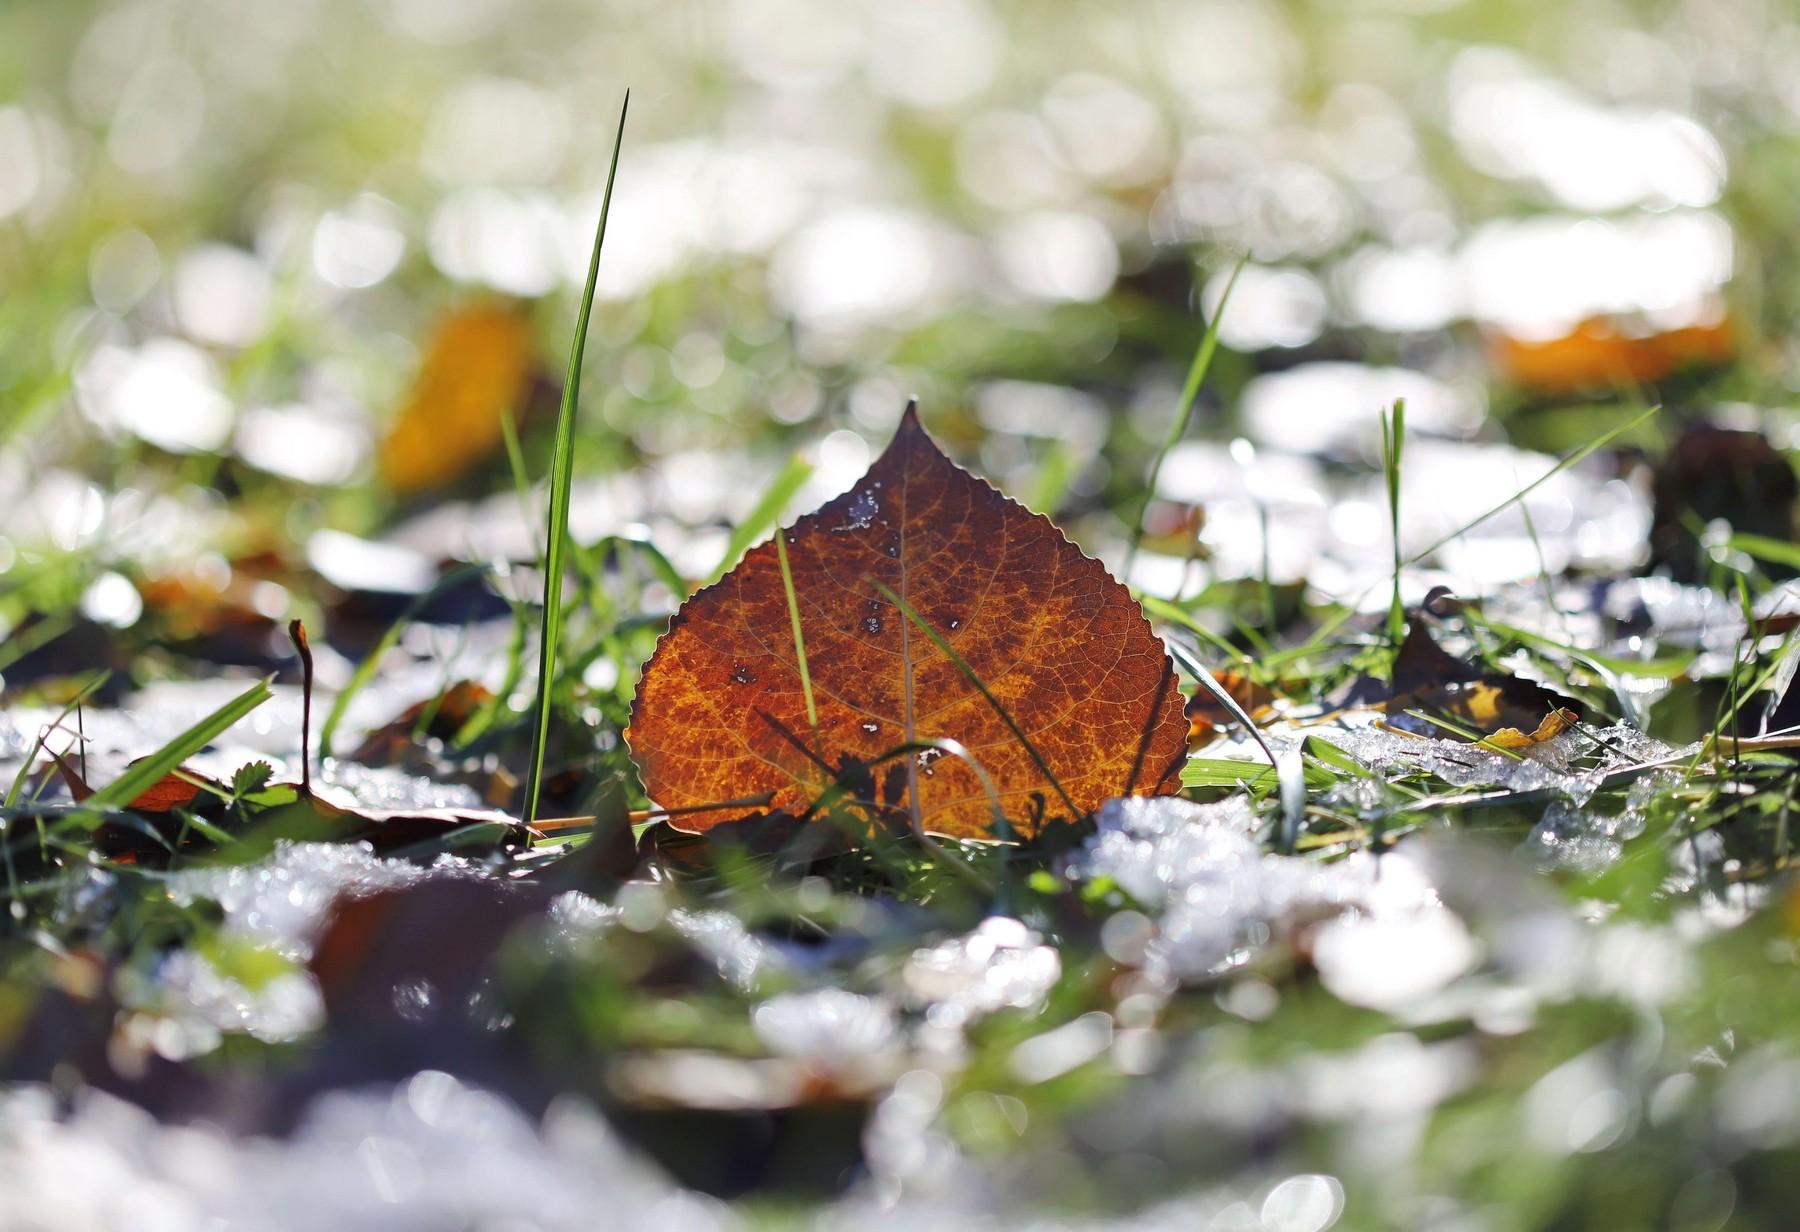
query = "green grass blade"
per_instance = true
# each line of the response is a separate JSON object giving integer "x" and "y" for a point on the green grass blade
{"x": 1393, "y": 442}
{"x": 1206, "y": 680}
{"x": 962, "y": 665}
{"x": 1232, "y": 772}
{"x": 562, "y": 472}
{"x": 515, "y": 461}
{"x": 1190, "y": 391}
{"x": 764, "y": 516}
{"x": 1570, "y": 460}
{"x": 365, "y": 671}
{"x": 1769, "y": 551}
{"x": 146, "y": 772}
{"x": 793, "y": 606}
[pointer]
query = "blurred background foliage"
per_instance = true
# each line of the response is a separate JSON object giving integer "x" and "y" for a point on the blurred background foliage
{"x": 229, "y": 228}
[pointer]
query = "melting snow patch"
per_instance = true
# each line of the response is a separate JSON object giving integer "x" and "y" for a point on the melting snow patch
{"x": 428, "y": 1153}
{"x": 1378, "y": 933}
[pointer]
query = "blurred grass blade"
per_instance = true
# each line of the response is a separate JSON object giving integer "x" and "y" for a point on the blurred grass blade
{"x": 1190, "y": 391}
{"x": 763, "y": 517}
{"x": 1597, "y": 443}
{"x": 793, "y": 606}
{"x": 562, "y": 471}
{"x": 145, "y": 773}
{"x": 1769, "y": 551}
{"x": 515, "y": 461}
{"x": 365, "y": 671}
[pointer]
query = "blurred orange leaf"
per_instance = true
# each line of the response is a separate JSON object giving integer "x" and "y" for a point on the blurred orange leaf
{"x": 721, "y": 710}
{"x": 476, "y": 368}
{"x": 1599, "y": 354}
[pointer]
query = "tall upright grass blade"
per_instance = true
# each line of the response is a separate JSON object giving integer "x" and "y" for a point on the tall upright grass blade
{"x": 1571, "y": 459}
{"x": 1190, "y": 391}
{"x": 562, "y": 472}
{"x": 146, "y": 772}
{"x": 1393, "y": 443}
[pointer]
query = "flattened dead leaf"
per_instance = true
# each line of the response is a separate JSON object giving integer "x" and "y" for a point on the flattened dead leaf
{"x": 1555, "y": 724}
{"x": 721, "y": 714}
{"x": 476, "y": 368}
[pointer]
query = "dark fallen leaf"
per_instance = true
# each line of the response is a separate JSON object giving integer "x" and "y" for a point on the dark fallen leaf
{"x": 1712, "y": 473}
{"x": 1463, "y": 697}
{"x": 439, "y": 718}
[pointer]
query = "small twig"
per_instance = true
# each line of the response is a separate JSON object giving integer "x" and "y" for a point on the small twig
{"x": 297, "y": 631}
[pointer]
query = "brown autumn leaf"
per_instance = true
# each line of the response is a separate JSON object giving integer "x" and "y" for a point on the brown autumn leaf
{"x": 720, "y": 712}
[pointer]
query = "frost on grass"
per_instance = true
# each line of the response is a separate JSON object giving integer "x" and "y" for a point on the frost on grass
{"x": 1379, "y": 934}
{"x": 1573, "y": 765}
{"x": 829, "y": 1027}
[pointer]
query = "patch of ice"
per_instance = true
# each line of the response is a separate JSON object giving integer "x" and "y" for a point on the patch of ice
{"x": 741, "y": 959}
{"x": 860, "y": 513}
{"x": 1559, "y": 764}
{"x": 190, "y": 989}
